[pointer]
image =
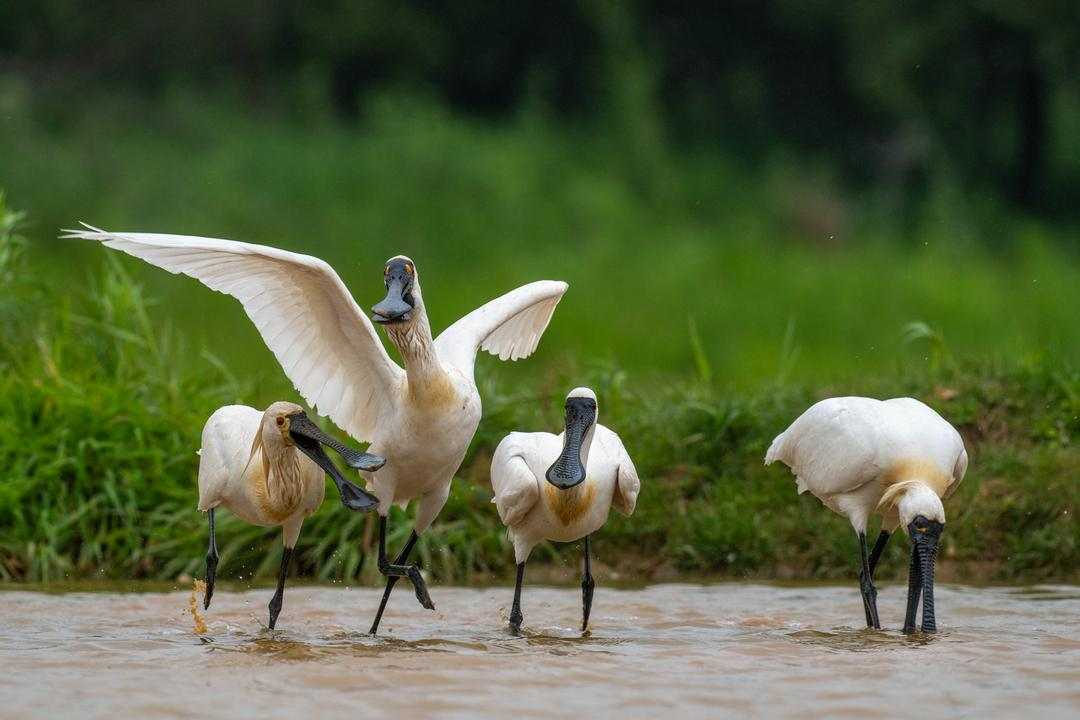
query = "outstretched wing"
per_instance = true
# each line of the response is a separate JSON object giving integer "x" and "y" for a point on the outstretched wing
{"x": 324, "y": 342}
{"x": 509, "y": 326}
{"x": 516, "y": 487}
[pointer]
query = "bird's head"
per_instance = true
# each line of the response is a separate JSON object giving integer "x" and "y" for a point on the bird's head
{"x": 923, "y": 518}
{"x": 277, "y": 421}
{"x": 568, "y": 469}
{"x": 402, "y": 292}
{"x": 912, "y": 499}
{"x": 286, "y": 424}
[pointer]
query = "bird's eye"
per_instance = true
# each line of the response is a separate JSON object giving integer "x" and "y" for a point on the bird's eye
{"x": 386, "y": 271}
{"x": 409, "y": 268}
{"x": 280, "y": 421}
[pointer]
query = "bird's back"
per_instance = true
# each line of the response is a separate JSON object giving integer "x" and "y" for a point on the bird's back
{"x": 840, "y": 444}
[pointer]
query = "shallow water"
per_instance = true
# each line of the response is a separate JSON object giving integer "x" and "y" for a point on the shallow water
{"x": 747, "y": 649}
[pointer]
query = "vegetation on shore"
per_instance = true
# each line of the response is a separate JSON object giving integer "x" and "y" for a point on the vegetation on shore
{"x": 103, "y": 406}
{"x": 776, "y": 272}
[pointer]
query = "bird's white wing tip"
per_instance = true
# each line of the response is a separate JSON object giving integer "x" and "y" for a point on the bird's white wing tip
{"x": 89, "y": 233}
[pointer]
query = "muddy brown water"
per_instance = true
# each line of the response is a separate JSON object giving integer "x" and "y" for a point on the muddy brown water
{"x": 698, "y": 651}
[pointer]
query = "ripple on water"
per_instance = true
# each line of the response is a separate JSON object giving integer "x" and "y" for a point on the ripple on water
{"x": 692, "y": 649}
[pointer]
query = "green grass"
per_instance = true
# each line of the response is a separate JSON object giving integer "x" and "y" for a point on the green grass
{"x": 103, "y": 406}
{"x": 678, "y": 262}
{"x": 710, "y": 303}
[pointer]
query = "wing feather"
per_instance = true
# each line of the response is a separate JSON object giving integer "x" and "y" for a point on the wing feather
{"x": 508, "y": 327}
{"x": 516, "y": 488}
{"x": 832, "y": 447}
{"x": 627, "y": 484}
{"x": 323, "y": 341}
{"x": 959, "y": 470}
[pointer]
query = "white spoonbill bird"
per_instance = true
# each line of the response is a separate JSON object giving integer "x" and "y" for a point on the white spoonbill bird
{"x": 895, "y": 457}
{"x": 249, "y": 465}
{"x": 561, "y": 488}
{"x": 420, "y": 418}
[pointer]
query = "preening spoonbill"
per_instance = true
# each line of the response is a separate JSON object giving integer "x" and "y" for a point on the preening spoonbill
{"x": 561, "y": 487}
{"x": 249, "y": 465}
{"x": 420, "y": 419}
{"x": 895, "y": 457}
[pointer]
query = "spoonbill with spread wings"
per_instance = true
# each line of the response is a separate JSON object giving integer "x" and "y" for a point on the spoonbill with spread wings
{"x": 420, "y": 418}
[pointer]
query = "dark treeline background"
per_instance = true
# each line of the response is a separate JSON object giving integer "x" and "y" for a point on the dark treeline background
{"x": 888, "y": 93}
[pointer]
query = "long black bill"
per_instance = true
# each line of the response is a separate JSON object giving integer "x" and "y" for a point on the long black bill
{"x": 924, "y": 535}
{"x": 399, "y": 301}
{"x": 310, "y": 439}
{"x": 568, "y": 470}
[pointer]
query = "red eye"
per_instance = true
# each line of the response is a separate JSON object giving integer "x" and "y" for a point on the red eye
{"x": 280, "y": 421}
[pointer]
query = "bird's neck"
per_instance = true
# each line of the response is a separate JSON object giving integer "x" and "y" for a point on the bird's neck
{"x": 413, "y": 340}
{"x": 281, "y": 470}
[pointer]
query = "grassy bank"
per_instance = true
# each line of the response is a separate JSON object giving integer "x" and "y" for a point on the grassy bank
{"x": 103, "y": 406}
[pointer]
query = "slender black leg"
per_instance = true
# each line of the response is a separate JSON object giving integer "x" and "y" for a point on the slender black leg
{"x": 515, "y": 612}
{"x": 875, "y": 554}
{"x": 866, "y": 584}
{"x": 914, "y": 589}
{"x": 587, "y": 586}
{"x": 211, "y": 563}
{"x": 398, "y": 569}
{"x": 275, "y": 602}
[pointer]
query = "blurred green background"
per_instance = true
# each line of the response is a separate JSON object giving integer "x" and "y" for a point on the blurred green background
{"x": 767, "y": 201}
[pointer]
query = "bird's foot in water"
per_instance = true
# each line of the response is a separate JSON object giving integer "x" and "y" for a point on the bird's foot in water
{"x": 420, "y": 587}
{"x": 211, "y": 578}
{"x": 516, "y": 618}
{"x": 869, "y": 593}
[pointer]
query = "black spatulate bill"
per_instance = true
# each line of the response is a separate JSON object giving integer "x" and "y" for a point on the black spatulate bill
{"x": 924, "y": 536}
{"x": 310, "y": 439}
{"x": 568, "y": 470}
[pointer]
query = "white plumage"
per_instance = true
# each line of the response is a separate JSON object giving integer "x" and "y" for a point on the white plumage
{"x": 247, "y": 466}
{"x": 534, "y": 509}
{"x": 847, "y": 450}
{"x": 420, "y": 418}
{"x": 897, "y": 458}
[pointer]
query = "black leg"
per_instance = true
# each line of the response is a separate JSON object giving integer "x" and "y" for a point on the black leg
{"x": 515, "y": 612}
{"x": 587, "y": 586}
{"x": 866, "y": 585}
{"x": 211, "y": 563}
{"x": 275, "y": 602}
{"x": 875, "y": 554}
{"x": 398, "y": 569}
{"x": 914, "y": 589}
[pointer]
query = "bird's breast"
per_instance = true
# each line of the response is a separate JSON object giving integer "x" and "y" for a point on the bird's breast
{"x": 441, "y": 397}
{"x": 570, "y": 505}
{"x": 916, "y": 468}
